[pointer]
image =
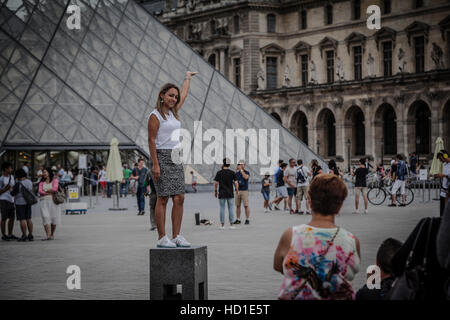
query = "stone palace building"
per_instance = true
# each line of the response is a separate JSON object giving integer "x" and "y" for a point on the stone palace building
{"x": 345, "y": 89}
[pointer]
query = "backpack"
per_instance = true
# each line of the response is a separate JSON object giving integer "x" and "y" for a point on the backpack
{"x": 300, "y": 176}
{"x": 29, "y": 197}
{"x": 402, "y": 170}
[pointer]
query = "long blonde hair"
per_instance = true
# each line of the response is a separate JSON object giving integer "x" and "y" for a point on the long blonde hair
{"x": 160, "y": 101}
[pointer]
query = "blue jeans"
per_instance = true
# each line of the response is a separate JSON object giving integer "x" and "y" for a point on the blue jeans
{"x": 230, "y": 202}
{"x": 124, "y": 188}
{"x": 109, "y": 189}
{"x": 140, "y": 197}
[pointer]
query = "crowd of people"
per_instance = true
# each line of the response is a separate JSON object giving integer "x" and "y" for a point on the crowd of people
{"x": 17, "y": 195}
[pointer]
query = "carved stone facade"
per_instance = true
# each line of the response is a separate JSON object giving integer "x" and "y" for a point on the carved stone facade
{"x": 344, "y": 89}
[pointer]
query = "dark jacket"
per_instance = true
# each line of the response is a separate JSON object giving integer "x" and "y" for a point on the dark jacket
{"x": 375, "y": 294}
{"x": 437, "y": 275}
{"x": 443, "y": 244}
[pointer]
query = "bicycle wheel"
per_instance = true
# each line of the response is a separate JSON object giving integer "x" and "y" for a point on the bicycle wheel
{"x": 409, "y": 196}
{"x": 376, "y": 196}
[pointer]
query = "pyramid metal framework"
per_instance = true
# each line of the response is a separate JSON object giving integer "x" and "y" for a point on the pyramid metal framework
{"x": 75, "y": 89}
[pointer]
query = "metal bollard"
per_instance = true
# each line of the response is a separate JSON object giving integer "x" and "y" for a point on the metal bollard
{"x": 423, "y": 191}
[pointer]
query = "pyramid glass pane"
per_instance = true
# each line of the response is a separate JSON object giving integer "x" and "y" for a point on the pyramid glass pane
{"x": 102, "y": 81}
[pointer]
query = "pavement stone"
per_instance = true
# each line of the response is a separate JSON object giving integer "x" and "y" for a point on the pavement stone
{"x": 111, "y": 249}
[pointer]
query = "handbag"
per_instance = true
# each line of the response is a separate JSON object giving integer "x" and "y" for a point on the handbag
{"x": 29, "y": 197}
{"x": 59, "y": 196}
{"x": 310, "y": 274}
{"x": 411, "y": 284}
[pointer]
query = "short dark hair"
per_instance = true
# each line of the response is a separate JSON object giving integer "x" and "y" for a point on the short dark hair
{"x": 291, "y": 159}
{"x": 327, "y": 193}
{"x": 20, "y": 173}
{"x": 280, "y": 162}
{"x": 283, "y": 165}
{"x": 299, "y": 161}
{"x": 386, "y": 252}
{"x": 361, "y": 161}
{"x": 399, "y": 157}
{"x": 140, "y": 159}
{"x": 6, "y": 165}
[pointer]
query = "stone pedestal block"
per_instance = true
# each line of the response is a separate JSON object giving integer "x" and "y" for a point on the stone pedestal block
{"x": 180, "y": 273}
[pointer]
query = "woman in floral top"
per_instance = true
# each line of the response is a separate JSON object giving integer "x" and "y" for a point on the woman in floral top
{"x": 319, "y": 259}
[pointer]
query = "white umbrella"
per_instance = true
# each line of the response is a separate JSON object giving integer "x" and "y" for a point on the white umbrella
{"x": 114, "y": 170}
{"x": 437, "y": 166}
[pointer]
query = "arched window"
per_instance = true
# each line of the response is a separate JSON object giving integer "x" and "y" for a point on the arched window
{"x": 389, "y": 130}
{"x": 326, "y": 125}
{"x": 271, "y": 23}
{"x": 212, "y": 60}
{"x": 299, "y": 126}
{"x": 276, "y": 116}
{"x": 423, "y": 129}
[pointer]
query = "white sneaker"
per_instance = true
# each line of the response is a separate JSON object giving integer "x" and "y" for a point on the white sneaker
{"x": 180, "y": 241}
{"x": 355, "y": 212}
{"x": 222, "y": 228}
{"x": 265, "y": 210}
{"x": 365, "y": 211}
{"x": 232, "y": 227}
{"x": 165, "y": 242}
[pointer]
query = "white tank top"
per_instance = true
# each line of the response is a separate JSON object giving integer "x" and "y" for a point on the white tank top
{"x": 168, "y": 135}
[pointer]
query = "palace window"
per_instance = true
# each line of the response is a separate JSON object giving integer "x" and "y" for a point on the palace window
{"x": 387, "y": 58}
{"x": 271, "y": 72}
{"x": 330, "y": 66}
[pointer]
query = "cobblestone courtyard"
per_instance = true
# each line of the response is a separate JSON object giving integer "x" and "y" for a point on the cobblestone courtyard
{"x": 111, "y": 248}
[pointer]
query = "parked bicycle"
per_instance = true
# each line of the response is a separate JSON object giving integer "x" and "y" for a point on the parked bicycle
{"x": 378, "y": 194}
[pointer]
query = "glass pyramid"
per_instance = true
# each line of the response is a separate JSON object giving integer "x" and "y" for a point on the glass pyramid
{"x": 82, "y": 87}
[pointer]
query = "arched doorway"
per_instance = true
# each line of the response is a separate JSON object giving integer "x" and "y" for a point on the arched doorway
{"x": 355, "y": 131}
{"x": 419, "y": 128}
{"x": 299, "y": 126}
{"x": 446, "y": 126}
{"x": 385, "y": 131}
{"x": 326, "y": 133}
{"x": 212, "y": 60}
{"x": 276, "y": 116}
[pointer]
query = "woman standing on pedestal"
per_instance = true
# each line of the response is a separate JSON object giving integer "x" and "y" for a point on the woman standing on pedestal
{"x": 168, "y": 175}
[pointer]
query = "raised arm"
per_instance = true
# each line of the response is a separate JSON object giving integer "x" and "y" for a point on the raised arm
{"x": 185, "y": 88}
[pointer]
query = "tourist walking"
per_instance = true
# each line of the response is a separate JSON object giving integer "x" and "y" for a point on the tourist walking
{"x": 242, "y": 176}
{"x": 138, "y": 175}
{"x": 103, "y": 181}
{"x": 443, "y": 156}
{"x": 275, "y": 175}
{"x": 50, "y": 212}
{"x": 333, "y": 168}
{"x": 124, "y": 186}
{"x": 319, "y": 260}
{"x": 23, "y": 209}
{"x": 400, "y": 181}
{"x": 290, "y": 179}
{"x": 93, "y": 179}
{"x": 167, "y": 170}
{"x": 224, "y": 182}
{"x": 413, "y": 164}
{"x": 7, "y": 208}
{"x": 266, "y": 183}
{"x": 151, "y": 193}
{"x": 281, "y": 190}
{"x": 303, "y": 174}
{"x": 194, "y": 182}
{"x": 316, "y": 169}
{"x": 360, "y": 185}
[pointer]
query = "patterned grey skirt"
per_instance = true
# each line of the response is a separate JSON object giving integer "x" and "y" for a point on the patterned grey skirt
{"x": 171, "y": 180}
